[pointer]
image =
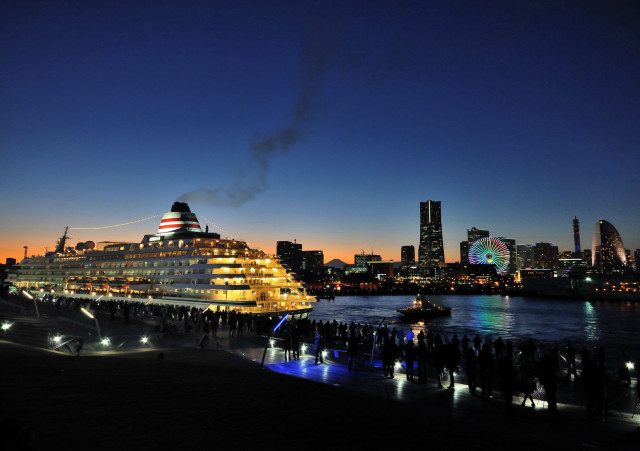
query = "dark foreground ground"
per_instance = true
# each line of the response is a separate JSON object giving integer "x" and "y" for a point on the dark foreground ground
{"x": 208, "y": 399}
{"x": 124, "y": 397}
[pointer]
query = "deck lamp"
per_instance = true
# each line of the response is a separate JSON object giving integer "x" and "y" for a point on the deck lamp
{"x": 30, "y": 296}
{"x": 86, "y": 312}
{"x": 271, "y": 341}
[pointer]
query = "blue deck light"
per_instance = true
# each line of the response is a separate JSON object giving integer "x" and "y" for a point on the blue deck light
{"x": 280, "y": 323}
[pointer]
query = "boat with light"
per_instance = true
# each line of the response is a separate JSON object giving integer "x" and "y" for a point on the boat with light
{"x": 423, "y": 310}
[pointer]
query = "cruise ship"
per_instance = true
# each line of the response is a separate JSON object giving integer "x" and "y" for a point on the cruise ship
{"x": 180, "y": 265}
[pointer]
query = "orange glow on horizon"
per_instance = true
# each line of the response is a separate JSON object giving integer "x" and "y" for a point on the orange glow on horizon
{"x": 38, "y": 244}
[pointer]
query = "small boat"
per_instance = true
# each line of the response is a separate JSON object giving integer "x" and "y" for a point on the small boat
{"x": 421, "y": 310}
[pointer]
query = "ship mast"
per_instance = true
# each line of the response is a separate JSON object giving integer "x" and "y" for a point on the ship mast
{"x": 62, "y": 242}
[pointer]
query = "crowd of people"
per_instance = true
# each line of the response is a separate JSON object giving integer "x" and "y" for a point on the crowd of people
{"x": 533, "y": 370}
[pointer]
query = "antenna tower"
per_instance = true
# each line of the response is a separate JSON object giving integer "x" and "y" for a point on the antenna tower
{"x": 576, "y": 236}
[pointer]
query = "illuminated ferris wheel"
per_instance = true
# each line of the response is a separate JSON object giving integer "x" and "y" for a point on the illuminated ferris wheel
{"x": 490, "y": 251}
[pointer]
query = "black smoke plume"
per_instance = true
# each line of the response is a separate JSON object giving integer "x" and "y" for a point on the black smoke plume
{"x": 322, "y": 52}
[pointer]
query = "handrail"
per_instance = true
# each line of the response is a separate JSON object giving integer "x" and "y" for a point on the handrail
{"x": 55, "y": 348}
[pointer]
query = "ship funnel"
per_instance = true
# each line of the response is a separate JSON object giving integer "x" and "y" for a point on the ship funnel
{"x": 179, "y": 219}
{"x": 181, "y": 207}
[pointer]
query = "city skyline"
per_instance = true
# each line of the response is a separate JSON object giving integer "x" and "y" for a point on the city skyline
{"x": 324, "y": 123}
{"x": 347, "y": 257}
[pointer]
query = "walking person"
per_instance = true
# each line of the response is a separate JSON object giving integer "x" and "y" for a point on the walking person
{"x": 549, "y": 377}
{"x": 439, "y": 361}
{"x": 485, "y": 363}
{"x": 389, "y": 355}
{"x": 498, "y": 346}
{"x": 320, "y": 347}
{"x": 352, "y": 350}
{"x": 465, "y": 344}
{"x": 452, "y": 360}
{"x": 571, "y": 361}
{"x": 477, "y": 344}
{"x": 295, "y": 342}
{"x": 623, "y": 369}
{"x": 409, "y": 358}
{"x": 286, "y": 344}
{"x": 527, "y": 376}
{"x": 507, "y": 374}
{"x": 471, "y": 368}
{"x": 422, "y": 354}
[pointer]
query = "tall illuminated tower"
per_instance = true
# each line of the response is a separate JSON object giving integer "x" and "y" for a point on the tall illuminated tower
{"x": 576, "y": 237}
{"x": 431, "y": 248}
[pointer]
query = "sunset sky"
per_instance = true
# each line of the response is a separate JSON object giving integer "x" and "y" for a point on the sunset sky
{"x": 325, "y": 122}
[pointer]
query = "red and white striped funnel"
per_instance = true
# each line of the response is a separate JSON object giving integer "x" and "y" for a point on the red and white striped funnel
{"x": 179, "y": 219}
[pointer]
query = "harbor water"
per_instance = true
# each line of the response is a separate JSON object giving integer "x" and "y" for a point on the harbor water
{"x": 615, "y": 326}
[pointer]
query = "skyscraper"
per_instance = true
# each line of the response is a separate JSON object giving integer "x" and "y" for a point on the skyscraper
{"x": 431, "y": 249}
{"x": 473, "y": 235}
{"x": 512, "y": 267}
{"x": 524, "y": 256}
{"x": 313, "y": 261}
{"x": 408, "y": 256}
{"x": 545, "y": 255}
{"x": 290, "y": 254}
{"x": 607, "y": 251}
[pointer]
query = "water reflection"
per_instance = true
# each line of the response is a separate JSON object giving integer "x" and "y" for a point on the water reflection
{"x": 591, "y": 323}
{"x": 515, "y": 318}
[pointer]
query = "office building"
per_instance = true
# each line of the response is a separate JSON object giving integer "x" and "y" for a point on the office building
{"x": 362, "y": 259}
{"x": 545, "y": 255}
{"x": 381, "y": 270}
{"x": 407, "y": 256}
{"x": 431, "y": 248}
{"x": 313, "y": 261}
{"x": 290, "y": 254}
{"x": 524, "y": 256}
{"x": 512, "y": 267}
{"x": 473, "y": 234}
{"x": 607, "y": 252}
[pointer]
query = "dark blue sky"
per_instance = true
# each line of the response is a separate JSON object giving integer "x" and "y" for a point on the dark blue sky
{"x": 326, "y": 122}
